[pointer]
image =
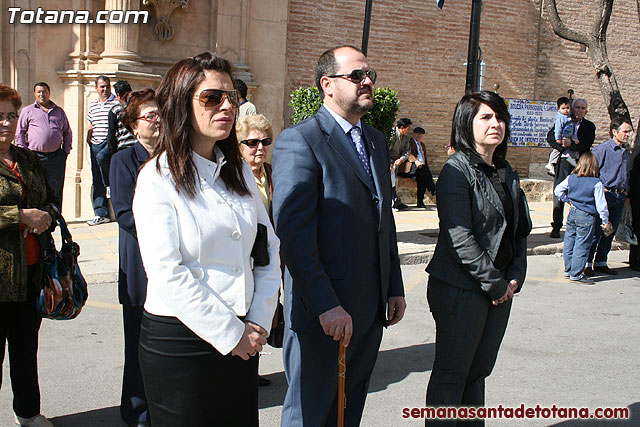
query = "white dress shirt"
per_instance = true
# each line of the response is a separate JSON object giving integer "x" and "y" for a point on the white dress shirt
{"x": 197, "y": 252}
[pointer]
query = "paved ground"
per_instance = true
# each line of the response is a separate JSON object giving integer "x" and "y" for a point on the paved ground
{"x": 566, "y": 344}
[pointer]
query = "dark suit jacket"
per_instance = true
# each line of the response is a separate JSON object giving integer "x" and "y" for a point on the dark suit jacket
{"x": 586, "y": 136}
{"x": 123, "y": 174}
{"x": 336, "y": 228}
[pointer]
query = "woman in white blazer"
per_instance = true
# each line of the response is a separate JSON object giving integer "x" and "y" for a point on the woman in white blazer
{"x": 197, "y": 210}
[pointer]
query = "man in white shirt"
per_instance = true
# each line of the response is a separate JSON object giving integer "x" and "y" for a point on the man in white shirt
{"x": 98, "y": 129}
{"x": 246, "y": 108}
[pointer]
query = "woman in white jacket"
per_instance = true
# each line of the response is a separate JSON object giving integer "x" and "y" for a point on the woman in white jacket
{"x": 197, "y": 210}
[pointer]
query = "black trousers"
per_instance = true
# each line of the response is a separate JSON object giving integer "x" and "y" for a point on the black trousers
{"x": 189, "y": 383}
{"x": 469, "y": 331}
{"x": 424, "y": 181}
{"x": 19, "y": 326}
{"x": 54, "y": 165}
{"x": 563, "y": 170}
{"x": 133, "y": 402}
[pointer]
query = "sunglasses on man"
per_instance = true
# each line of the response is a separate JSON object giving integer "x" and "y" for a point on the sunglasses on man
{"x": 253, "y": 143}
{"x": 357, "y": 76}
{"x": 215, "y": 97}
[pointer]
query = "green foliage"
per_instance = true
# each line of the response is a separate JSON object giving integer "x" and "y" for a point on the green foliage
{"x": 305, "y": 102}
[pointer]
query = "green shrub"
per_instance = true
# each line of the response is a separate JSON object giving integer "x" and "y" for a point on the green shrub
{"x": 305, "y": 102}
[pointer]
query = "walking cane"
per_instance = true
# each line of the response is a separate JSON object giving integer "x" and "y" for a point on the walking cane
{"x": 342, "y": 370}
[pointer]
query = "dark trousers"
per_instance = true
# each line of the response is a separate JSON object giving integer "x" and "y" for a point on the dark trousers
{"x": 99, "y": 195}
{"x": 563, "y": 170}
{"x": 311, "y": 367}
{"x": 469, "y": 331}
{"x": 19, "y": 326}
{"x": 189, "y": 383}
{"x": 133, "y": 402}
{"x": 424, "y": 181}
{"x": 104, "y": 160}
{"x": 601, "y": 244}
{"x": 54, "y": 165}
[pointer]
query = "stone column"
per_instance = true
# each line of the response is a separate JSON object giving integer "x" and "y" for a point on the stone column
{"x": 121, "y": 40}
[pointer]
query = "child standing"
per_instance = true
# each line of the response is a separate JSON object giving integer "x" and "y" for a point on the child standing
{"x": 585, "y": 193}
{"x": 563, "y": 128}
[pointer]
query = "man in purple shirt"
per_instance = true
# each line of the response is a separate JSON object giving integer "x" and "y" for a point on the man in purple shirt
{"x": 613, "y": 159}
{"x": 43, "y": 128}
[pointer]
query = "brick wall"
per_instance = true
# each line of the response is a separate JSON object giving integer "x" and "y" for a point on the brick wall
{"x": 420, "y": 51}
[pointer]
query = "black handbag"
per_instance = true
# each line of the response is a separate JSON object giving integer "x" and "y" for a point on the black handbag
{"x": 260, "y": 250}
{"x": 64, "y": 290}
{"x": 276, "y": 336}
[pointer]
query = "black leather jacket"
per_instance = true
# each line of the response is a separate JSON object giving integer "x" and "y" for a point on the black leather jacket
{"x": 472, "y": 223}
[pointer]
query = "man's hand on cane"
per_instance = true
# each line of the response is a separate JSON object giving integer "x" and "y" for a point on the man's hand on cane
{"x": 336, "y": 322}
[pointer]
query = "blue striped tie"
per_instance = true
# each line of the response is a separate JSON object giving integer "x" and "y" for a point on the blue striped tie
{"x": 356, "y": 138}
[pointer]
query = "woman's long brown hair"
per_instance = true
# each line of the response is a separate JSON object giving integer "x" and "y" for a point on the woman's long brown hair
{"x": 174, "y": 97}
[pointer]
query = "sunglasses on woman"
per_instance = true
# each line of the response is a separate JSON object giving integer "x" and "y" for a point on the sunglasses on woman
{"x": 151, "y": 116}
{"x": 253, "y": 143}
{"x": 357, "y": 76}
{"x": 215, "y": 97}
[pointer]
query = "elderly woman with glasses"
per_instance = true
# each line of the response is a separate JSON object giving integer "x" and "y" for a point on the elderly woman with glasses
{"x": 197, "y": 212}
{"x": 255, "y": 134}
{"x": 141, "y": 116}
{"x": 26, "y": 212}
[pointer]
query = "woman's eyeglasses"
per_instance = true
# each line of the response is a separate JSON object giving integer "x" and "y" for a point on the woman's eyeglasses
{"x": 253, "y": 143}
{"x": 9, "y": 116}
{"x": 151, "y": 116}
{"x": 357, "y": 76}
{"x": 215, "y": 97}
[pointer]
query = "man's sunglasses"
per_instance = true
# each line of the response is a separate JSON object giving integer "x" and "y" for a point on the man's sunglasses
{"x": 252, "y": 143}
{"x": 357, "y": 76}
{"x": 215, "y": 97}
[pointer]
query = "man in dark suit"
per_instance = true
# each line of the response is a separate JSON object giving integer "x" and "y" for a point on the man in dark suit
{"x": 419, "y": 166}
{"x": 570, "y": 149}
{"x": 332, "y": 205}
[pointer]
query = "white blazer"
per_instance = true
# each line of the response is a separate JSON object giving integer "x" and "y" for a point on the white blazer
{"x": 197, "y": 252}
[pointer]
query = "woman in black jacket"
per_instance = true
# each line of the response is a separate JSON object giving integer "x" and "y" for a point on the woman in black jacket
{"x": 480, "y": 259}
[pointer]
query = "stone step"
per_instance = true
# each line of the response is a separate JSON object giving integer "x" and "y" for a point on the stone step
{"x": 537, "y": 190}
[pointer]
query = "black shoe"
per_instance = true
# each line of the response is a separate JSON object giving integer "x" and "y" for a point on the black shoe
{"x": 588, "y": 272}
{"x": 420, "y": 205}
{"x": 605, "y": 269}
{"x": 401, "y": 207}
{"x": 263, "y": 381}
{"x": 555, "y": 233}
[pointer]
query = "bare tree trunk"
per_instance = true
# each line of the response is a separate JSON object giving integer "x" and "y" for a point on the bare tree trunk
{"x": 596, "y": 42}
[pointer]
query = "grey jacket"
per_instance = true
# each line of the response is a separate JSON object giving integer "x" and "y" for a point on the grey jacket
{"x": 399, "y": 146}
{"x": 472, "y": 222}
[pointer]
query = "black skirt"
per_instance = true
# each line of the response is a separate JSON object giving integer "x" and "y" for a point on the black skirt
{"x": 189, "y": 383}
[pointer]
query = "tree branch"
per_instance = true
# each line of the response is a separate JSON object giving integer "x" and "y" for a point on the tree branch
{"x": 606, "y": 6}
{"x": 562, "y": 30}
